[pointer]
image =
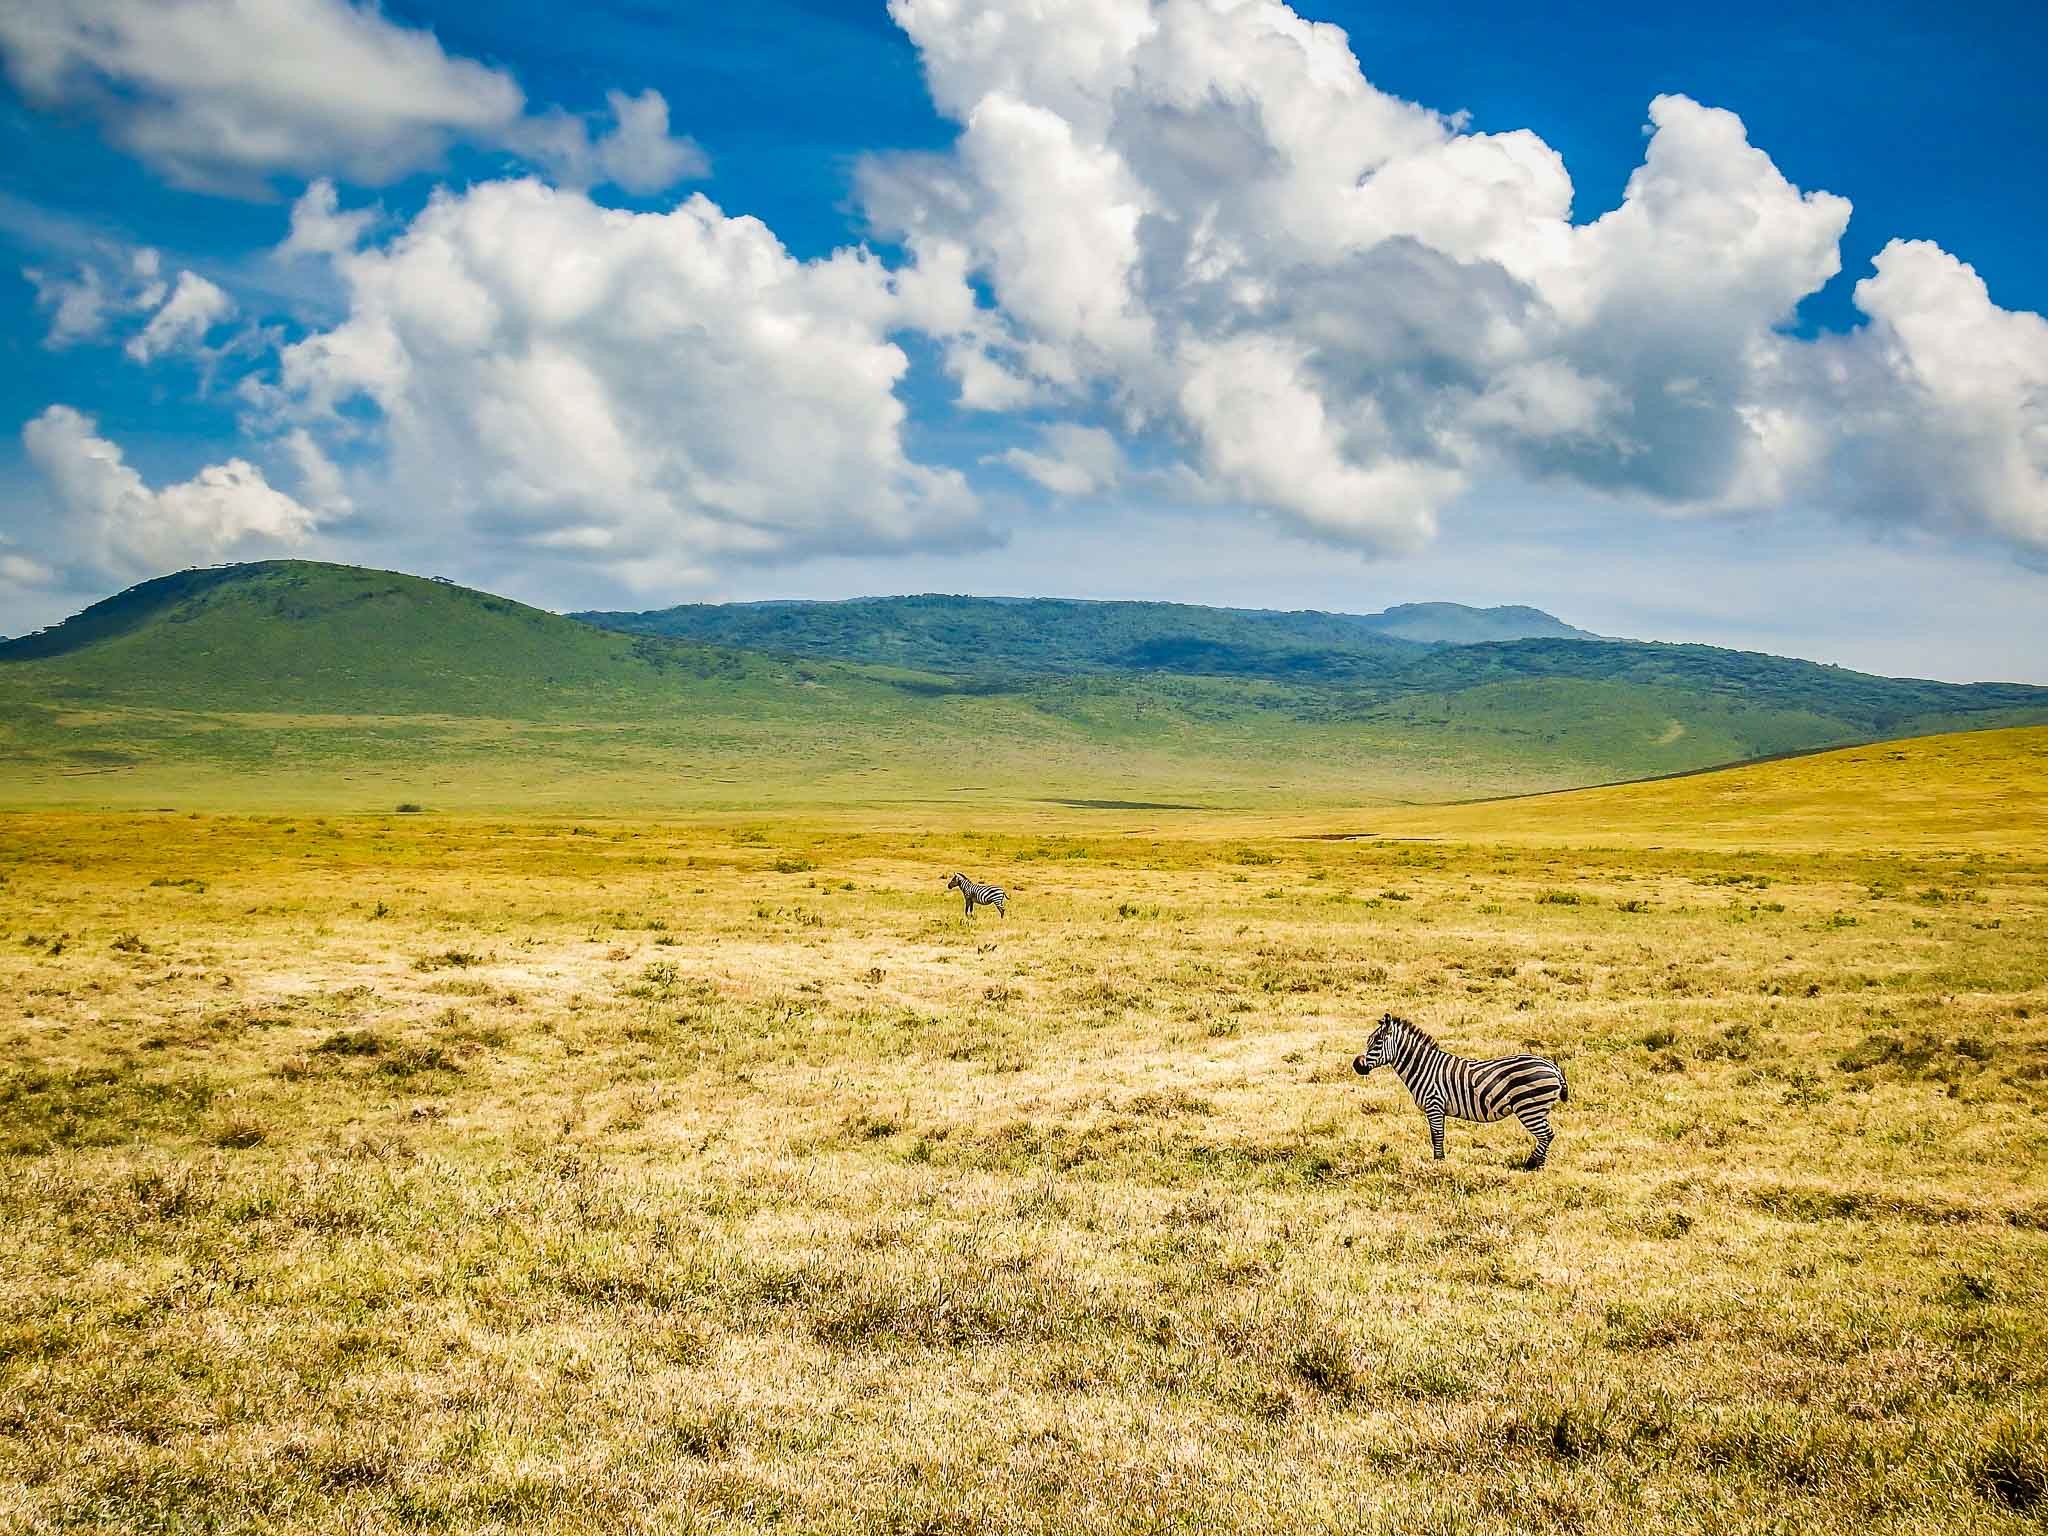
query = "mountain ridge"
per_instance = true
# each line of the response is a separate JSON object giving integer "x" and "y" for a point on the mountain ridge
{"x": 952, "y": 632}
{"x": 340, "y": 675}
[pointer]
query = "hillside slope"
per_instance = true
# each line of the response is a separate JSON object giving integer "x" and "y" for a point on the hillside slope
{"x": 1002, "y": 636}
{"x": 300, "y": 684}
{"x": 1981, "y": 790}
{"x": 1861, "y": 703}
{"x": 1399, "y": 663}
{"x": 1456, "y": 624}
{"x": 290, "y": 634}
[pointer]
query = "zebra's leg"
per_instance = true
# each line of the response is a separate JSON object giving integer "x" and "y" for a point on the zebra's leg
{"x": 1435, "y": 1112}
{"x": 968, "y": 909}
{"x": 1536, "y": 1122}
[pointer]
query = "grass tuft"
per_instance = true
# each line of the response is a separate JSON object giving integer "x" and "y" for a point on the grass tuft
{"x": 2012, "y": 1467}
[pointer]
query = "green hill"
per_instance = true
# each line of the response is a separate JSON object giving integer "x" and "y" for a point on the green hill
{"x": 1859, "y": 704}
{"x": 1401, "y": 661}
{"x": 333, "y": 639}
{"x": 1456, "y": 624}
{"x": 1009, "y": 635}
{"x": 296, "y": 684}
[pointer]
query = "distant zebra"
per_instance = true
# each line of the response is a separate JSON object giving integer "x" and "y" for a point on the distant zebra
{"x": 979, "y": 895}
{"x": 1442, "y": 1084}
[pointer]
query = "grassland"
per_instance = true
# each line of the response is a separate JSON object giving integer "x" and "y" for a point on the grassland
{"x": 712, "y": 1174}
{"x": 1979, "y": 790}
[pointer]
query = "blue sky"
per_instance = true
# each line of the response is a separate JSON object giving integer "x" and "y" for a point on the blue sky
{"x": 1157, "y": 298}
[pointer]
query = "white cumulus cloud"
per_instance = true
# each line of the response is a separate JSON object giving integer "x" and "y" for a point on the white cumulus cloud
{"x": 1195, "y": 226}
{"x": 1201, "y": 217}
{"x": 637, "y": 153}
{"x": 321, "y": 482}
{"x": 650, "y": 392}
{"x": 320, "y": 227}
{"x": 106, "y": 284}
{"x": 115, "y": 523}
{"x": 195, "y": 307}
{"x": 223, "y": 94}
{"x": 1071, "y": 460}
{"x": 109, "y": 288}
{"x": 1946, "y": 410}
{"x": 22, "y": 571}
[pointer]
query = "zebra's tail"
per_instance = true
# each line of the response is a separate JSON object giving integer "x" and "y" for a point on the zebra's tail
{"x": 1564, "y": 1089}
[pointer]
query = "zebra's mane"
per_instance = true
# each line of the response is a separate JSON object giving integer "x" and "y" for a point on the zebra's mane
{"x": 1408, "y": 1026}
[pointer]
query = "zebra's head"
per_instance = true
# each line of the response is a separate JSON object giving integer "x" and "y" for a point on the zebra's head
{"x": 957, "y": 883}
{"x": 1380, "y": 1048}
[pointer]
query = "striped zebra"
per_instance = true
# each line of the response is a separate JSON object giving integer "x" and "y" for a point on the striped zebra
{"x": 1442, "y": 1084}
{"x": 979, "y": 895}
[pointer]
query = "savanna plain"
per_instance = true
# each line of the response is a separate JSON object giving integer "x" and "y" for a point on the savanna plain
{"x": 544, "y": 1172}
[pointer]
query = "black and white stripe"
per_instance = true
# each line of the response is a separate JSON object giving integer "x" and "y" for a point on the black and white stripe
{"x": 1442, "y": 1084}
{"x": 979, "y": 895}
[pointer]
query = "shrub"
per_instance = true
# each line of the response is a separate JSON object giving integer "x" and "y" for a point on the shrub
{"x": 410, "y": 808}
{"x": 707, "y": 1436}
{"x": 1667, "y": 1225}
{"x": 1326, "y": 1365}
{"x": 1641, "y": 1326}
{"x": 1967, "y": 1288}
{"x": 415, "y": 1059}
{"x": 456, "y": 958}
{"x": 1429, "y": 1380}
{"x": 1732, "y": 1044}
{"x": 239, "y": 1135}
{"x": 657, "y": 980}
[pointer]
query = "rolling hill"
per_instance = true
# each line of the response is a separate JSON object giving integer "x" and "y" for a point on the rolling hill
{"x": 328, "y": 639}
{"x": 1456, "y": 624}
{"x": 1980, "y": 790}
{"x": 293, "y": 683}
{"x": 1416, "y": 651}
{"x": 1004, "y": 636}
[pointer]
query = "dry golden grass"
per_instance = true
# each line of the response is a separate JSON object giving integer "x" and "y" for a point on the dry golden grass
{"x": 404, "y": 1172}
{"x": 1978, "y": 789}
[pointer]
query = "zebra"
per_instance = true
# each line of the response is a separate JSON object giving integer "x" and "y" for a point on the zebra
{"x": 977, "y": 894}
{"x": 1442, "y": 1084}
